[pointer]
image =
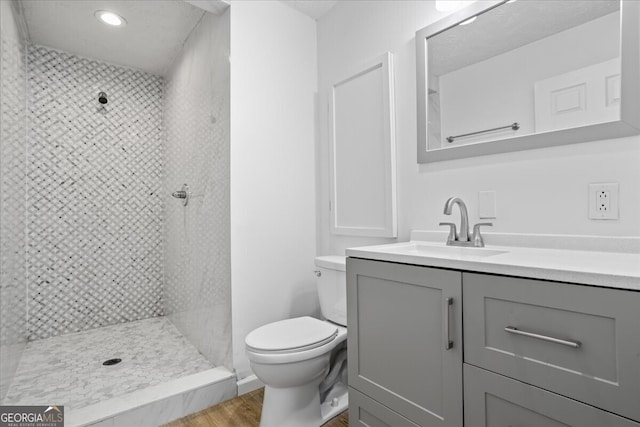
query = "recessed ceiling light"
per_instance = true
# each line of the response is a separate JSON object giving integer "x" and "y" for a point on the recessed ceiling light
{"x": 110, "y": 18}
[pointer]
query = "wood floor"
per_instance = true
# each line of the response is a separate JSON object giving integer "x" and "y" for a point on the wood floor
{"x": 242, "y": 411}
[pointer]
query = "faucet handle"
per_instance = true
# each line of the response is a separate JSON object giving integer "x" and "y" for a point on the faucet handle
{"x": 452, "y": 231}
{"x": 477, "y": 237}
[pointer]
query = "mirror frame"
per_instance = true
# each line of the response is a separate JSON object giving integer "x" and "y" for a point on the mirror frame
{"x": 628, "y": 124}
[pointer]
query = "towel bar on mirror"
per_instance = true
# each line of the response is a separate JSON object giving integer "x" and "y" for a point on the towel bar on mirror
{"x": 514, "y": 126}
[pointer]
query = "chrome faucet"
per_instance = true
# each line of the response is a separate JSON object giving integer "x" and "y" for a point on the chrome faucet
{"x": 463, "y": 234}
{"x": 461, "y": 238}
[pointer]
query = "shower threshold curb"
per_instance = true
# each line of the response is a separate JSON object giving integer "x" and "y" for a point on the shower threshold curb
{"x": 160, "y": 403}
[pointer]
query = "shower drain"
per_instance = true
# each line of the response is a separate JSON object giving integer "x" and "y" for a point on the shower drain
{"x": 111, "y": 362}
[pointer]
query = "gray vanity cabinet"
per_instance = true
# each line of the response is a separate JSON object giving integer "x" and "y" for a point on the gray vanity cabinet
{"x": 404, "y": 344}
{"x": 582, "y": 342}
{"x": 536, "y": 353}
{"x": 364, "y": 411}
{"x": 492, "y": 400}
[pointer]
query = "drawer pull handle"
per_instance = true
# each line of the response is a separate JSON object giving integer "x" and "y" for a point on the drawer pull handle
{"x": 512, "y": 330}
{"x": 448, "y": 344}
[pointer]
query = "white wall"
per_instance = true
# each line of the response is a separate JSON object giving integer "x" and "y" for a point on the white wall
{"x": 538, "y": 191}
{"x": 273, "y": 224}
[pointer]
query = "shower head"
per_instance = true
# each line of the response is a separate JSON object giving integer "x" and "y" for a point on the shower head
{"x": 102, "y": 98}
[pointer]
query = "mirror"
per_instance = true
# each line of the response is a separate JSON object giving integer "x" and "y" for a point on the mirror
{"x": 502, "y": 76}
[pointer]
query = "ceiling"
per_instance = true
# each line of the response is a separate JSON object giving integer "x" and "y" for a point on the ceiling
{"x": 312, "y": 8}
{"x": 510, "y": 26}
{"x": 153, "y": 36}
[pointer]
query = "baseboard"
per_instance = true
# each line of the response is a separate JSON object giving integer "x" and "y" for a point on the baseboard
{"x": 249, "y": 384}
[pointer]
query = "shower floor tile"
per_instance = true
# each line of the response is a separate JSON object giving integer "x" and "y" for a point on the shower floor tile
{"x": 67, "y": 369}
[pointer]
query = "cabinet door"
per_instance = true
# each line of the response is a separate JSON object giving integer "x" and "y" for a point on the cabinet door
{"x": 578, "y": 341}
{"x": 366, "y": 412}
{"x": 492, "y": 400}
{"x": 405, "y": 339}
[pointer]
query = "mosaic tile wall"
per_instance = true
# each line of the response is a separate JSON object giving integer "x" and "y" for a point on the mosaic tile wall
{"x": 197, "y": 261}
{"x": 94, "y": 207}
{"x": 13, "y": 313}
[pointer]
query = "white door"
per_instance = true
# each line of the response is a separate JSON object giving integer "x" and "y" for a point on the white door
{"x": 581, "y": 97}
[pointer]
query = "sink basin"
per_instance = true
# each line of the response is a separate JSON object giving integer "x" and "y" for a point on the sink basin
{"x": 435, "y": 250}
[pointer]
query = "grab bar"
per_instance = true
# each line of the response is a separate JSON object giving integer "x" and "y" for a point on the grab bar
{"x": 514, "y": 126}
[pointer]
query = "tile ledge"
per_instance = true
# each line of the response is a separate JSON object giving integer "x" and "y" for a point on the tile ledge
{"x": 120, "y": 404}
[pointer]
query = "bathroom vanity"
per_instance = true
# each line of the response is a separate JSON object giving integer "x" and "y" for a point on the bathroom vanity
{"x": 442, "y": 336}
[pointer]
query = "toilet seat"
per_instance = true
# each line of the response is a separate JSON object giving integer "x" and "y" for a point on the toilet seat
{"x": 291, "y": 336}
{"x": 302, "y": 345}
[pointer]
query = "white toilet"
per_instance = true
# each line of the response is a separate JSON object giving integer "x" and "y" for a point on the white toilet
{"x": 302, "y": 361}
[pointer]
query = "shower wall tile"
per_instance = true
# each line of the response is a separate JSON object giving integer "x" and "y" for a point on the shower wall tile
{"x": 13, "y": 98}
{"x": 94, "y": 208}
{"x": 197, "y": 260}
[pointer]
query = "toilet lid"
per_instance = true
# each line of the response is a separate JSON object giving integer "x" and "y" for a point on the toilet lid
{"x": 301, "y": 333}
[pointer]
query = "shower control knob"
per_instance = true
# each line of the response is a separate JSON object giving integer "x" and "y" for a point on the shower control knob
{"x": 182, "y": 194}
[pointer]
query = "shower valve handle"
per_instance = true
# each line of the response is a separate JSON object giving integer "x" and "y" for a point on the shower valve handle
{"x": 182, "y": 194}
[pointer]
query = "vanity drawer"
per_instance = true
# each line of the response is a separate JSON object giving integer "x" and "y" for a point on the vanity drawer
{"x": 492, "y": 400}
{"x": 364, "y": 411}
{"x": 579, "y": 341}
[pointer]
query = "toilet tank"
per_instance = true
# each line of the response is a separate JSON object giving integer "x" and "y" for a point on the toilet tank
{"x": 332, "y": 287}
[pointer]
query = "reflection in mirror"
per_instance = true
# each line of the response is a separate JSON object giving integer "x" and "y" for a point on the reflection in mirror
{"x": 520, "y": 68}
{"x": 538, "y": 76}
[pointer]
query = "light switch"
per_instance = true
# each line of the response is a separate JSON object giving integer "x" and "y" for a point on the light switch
{"x": 487, "y": 204}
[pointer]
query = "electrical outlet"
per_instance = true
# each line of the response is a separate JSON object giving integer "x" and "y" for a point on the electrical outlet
{"x": 603, "y": 200}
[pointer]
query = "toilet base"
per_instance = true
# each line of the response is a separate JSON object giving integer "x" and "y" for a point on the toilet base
{"x": 300, "y": 406}
{"x": 291, "y": 407}
{"x": 337, "y": 402}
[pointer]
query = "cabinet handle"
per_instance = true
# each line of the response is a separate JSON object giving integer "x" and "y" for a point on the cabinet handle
{"x": 448, "y": 344}
{"x": 513, "y": 330}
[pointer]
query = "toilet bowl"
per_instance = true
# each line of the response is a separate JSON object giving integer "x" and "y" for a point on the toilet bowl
{"x": 302, "y": 361}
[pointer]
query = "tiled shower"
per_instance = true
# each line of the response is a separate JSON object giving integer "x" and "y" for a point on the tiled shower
{"x": 98, "y": 260}
{"x": 13, "y": 184}
{"x": 94, "y": 194}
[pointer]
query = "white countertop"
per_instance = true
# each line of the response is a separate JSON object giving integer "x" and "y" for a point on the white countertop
{"x": 599, "y": 268}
